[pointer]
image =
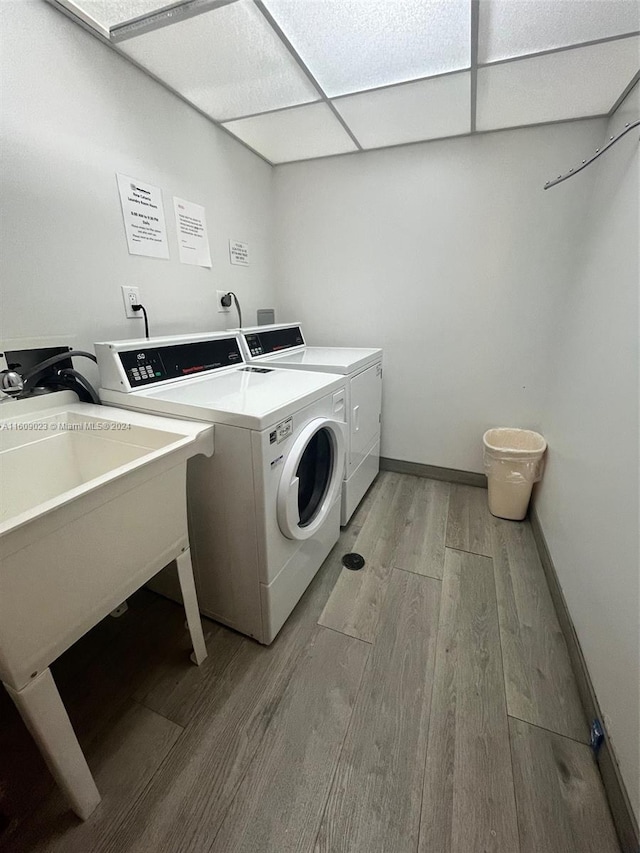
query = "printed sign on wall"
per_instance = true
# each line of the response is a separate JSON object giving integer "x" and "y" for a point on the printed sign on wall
{"x": 143, "y": 216}
{"x": 239, "y": 253}
{"x": 193, "y": 240}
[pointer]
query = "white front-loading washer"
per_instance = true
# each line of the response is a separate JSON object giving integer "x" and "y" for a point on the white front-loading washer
{"x": 282, "y": 345}
{"x": 264, "y": 510}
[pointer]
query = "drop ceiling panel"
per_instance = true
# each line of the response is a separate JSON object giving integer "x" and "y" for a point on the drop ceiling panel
{"x": 427, "y": 109}
{"x": 228, "y": 62}
{"x": 516, "y": 27}
{"x": 351, "y": 45}
{"x": 297, "y": 134}
{"x": 570, "y": 84}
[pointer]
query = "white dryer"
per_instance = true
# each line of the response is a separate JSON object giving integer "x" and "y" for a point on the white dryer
{"x": 264, "y": 510}
{"x": 282, "y": 345}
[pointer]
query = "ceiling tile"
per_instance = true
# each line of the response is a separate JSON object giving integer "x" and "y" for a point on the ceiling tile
{"x": 351, "y": 45}
{"x": 517, "y": 27}
{"x": 409, "y": 112}
{"x": 228, "y": 62}
{"x": 580, "y": 82}
{"x": 297, "y": 134}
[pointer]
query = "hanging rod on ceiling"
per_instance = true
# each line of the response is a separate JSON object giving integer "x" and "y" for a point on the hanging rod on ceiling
{"x": 599, "y": 152}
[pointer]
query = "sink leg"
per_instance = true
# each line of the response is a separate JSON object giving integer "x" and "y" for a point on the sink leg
{"x": 187, "y": 586}
{"x": 45, "y": 716}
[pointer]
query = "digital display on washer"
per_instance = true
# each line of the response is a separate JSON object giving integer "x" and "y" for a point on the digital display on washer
{"x": 274, "y": 340}
{"x": 155, "y": 364}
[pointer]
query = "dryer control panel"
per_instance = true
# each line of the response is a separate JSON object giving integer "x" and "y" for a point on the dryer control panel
{"x": 273, "y": 340}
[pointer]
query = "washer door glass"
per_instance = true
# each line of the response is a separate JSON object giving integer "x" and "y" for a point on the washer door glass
{"x": 311, "y": 478}
{"x": 314, "y": 473}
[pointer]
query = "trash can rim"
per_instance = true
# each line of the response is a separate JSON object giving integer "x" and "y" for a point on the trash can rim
{"x": 490, "y": 436}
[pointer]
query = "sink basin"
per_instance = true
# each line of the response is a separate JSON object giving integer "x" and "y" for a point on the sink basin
{"x": 51, "y": 457}
{"x": 92, "y": 505}
{"x": 61, "y": 463}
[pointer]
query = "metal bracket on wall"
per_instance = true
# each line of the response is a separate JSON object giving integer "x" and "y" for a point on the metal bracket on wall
{"x": 599, "y": 152}
{"x": 596, "y": 736}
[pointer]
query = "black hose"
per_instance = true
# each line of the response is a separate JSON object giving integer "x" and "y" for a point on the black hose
{"x": 68, "y": 383}
{"x": 39, "y": 369}
{"x": 84, "y": 382}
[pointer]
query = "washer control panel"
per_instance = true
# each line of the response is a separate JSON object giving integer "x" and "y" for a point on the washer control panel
{"x": 273, "y": 340}
{"x": 142, "y": 367}
{"x": 157, "y": 364}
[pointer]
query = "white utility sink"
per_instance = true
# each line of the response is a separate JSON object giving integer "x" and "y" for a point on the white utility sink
{"x": 51, "y": 460}
{"x": 92, "y": 505}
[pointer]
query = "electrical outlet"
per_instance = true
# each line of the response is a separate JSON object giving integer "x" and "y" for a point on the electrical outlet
{"x": 221, "y": 307}
{"x": 130, "y": 297}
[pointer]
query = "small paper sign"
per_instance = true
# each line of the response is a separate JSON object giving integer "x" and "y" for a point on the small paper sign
{"x": 143, "y": 216}
{"x": 239, "y": 253}
{"x": 193, "y": 240}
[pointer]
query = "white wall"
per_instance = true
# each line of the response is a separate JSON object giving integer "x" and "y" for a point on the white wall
{"x": 449, "y": 255}
{"x": 73, "y": 114}
{"x": 588, "y": 501}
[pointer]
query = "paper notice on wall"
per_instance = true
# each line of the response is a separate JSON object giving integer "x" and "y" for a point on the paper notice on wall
{"x": 239, "y": 253}
{"x": 143, "y": 216}
{"x": 193, "y": 240}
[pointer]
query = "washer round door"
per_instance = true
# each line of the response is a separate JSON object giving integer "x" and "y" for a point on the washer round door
{"x": 311, "y": 478}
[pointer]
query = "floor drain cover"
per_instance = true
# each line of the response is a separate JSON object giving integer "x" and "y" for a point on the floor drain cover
{"x": 354, "y": 562}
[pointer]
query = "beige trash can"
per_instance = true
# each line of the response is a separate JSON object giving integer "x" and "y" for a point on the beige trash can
{"x": 513, "y": 462}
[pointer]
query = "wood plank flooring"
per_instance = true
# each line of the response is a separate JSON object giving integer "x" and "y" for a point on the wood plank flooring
{"x": 469, "y": 521}
{"x": 374, "y": 802}
{"x": 561, "y": 802}
{"x": 422, "y": 705}
{"x": 539, "y": 681}
{"x": 279, "y": 805}
{"x": 468, "y": 797}
{"x": 421, "y": 548}
{"x": 404, "y": 529}
{"x": 354, "y": 605}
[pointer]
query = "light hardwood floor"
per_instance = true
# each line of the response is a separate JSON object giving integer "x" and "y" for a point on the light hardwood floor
{"x": 424, "y": 704}
{"x": 468, "y": 798}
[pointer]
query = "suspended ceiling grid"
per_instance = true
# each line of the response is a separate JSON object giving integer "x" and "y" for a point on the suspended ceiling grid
{"x": 300, "y": 79}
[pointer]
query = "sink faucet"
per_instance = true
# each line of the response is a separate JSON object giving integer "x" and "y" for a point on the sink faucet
{"x": 14, "y": 385}
{"x": 11, "y": 384}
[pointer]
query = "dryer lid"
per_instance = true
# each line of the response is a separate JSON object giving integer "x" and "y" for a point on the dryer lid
{"x": 283, "y": 345}
{"x": 343, "y": 360}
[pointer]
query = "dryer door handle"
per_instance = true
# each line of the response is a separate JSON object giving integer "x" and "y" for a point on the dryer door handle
{"x": 356, "y": 418}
